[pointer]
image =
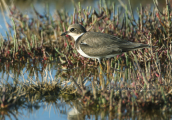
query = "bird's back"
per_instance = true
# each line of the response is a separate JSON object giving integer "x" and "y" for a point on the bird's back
{"x": 96, "y": 43}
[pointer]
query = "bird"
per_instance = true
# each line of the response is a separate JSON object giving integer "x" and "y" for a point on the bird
{"x": 99, "y": 45}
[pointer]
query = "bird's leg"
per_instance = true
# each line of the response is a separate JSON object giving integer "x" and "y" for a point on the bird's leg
{"x": 108, "y": 70}
{"x": 101, "y": 67}
{"x": 102, "y": 83}
{"x": 108, "y": 66}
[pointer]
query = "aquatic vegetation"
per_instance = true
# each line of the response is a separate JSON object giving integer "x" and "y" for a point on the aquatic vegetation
{"x": 136, "y": 80}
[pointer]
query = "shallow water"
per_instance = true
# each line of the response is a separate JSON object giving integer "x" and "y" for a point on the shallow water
{"x": 58, "y": 107}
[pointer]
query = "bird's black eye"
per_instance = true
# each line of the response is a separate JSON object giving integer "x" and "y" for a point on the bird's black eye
{"x": 72, "y": 29}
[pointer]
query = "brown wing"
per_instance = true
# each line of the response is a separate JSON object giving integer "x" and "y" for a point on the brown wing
{"x": 100, "y": 51}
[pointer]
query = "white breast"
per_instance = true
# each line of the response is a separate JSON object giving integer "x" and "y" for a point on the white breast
{"x": 76, "y": 36}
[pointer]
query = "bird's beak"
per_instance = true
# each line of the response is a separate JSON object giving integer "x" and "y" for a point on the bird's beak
{"x": 65, "y": 33}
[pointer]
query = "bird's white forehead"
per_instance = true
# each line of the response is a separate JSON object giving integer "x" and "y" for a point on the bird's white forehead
{"x": 69, "y": 28}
